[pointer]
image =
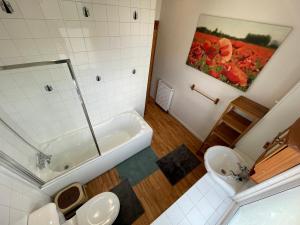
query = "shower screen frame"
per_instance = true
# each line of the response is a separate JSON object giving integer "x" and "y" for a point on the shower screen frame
{"x": 10, "y": 163}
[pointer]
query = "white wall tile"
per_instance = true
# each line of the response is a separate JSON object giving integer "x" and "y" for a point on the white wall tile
{"x": 205, "y": 208}
{"x": 69, "y": 10}
{"x": 46, "y": 45}
{"x": 73, "y": 28}
{"x": 175, "y": 214}
{"x": 97, "y": 43}
{"x": 124, "y": 3}
{"x": 8, "y": 49}
{"x": 56, "y": 28}
{"x": 38, "y": 28}
{"x": 136, "y": 29}
{"x": 17, "y": 217}
{"x": 185, "y": 203}
{"x": 5, "y": 195}
{"x": 30, "y": 9}
{"x": 27, "y": 47}
{"x": 88, "y": 28}
{"x": 17, "y": 28}
{"x": 114, "y": 28}
{"x": 4, "y": 215}
{"x": 194, "y": 194}
{"x": 20, "y": 198}
{"x": 77, "y": 44}
{"x": 114, "y": 42}
{"x": 62, "y": 45}
{"x": 153, "y": 4}
{"x": 145, "y": 4}
{"x": 112, "y": 13}
{"x": 214, "y": 199}
{"x": 195, "y": 217}
{"x": 198, "y": 208}
{"x": 100, "y": 13}
{"x": 135, "y": 3}
{"x": 50, "y": 9}
{"x": 3, "y": 32}
{"x": 185, "y": 221}
{"x": 125, "y": 29}
{"x": 101, "y": 28}
{"x": 125, "y": 14}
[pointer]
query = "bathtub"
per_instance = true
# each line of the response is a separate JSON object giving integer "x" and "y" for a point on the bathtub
{"x": 119, "y": 138}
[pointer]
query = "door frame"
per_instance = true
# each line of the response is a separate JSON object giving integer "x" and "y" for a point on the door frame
{"x": 154, "y": 43}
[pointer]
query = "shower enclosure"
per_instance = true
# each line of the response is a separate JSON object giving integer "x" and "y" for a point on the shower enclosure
{"x": 44, "y": 124}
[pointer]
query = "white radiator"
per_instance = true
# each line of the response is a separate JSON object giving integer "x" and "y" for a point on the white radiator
{"x": 164, "y": 95}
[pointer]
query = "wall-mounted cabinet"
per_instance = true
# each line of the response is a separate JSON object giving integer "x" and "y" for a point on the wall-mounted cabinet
{"x": 281, "y": 154}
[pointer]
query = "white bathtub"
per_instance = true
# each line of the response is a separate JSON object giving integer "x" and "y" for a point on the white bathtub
{"x": 119, "y": 138}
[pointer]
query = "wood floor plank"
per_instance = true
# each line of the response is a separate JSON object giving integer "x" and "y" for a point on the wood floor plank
{"x": 155, "y": 192}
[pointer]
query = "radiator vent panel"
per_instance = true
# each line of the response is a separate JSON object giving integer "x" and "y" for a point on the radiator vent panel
{"x": 164, "y": 95}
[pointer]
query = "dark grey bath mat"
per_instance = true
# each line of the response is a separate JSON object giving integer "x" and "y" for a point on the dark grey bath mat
{"x": 130, "y": 206}
{"x": 178, "y": 163}
{"x": 138, "y": 167}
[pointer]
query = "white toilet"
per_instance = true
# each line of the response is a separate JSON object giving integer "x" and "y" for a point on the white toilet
{"x": 102, "y": 209}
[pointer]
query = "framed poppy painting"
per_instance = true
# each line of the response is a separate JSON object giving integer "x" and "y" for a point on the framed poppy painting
{"x": 232, "y": 50}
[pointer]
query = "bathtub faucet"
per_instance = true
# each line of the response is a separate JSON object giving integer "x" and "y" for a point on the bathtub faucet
{"x": 243, "y": 175}
{"x": 42, "y": 159}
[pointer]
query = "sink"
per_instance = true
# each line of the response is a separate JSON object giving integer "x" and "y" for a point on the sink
{"x": 219, "y": 161}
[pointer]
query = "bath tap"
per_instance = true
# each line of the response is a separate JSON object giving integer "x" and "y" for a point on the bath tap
{"x": 42, "y": 159}
{"x": 243, "y": 175}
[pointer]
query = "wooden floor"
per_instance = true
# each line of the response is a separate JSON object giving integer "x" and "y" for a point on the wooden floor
{"x": 155, "y": 192}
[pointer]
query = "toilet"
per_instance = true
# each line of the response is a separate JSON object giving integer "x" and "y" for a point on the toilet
{"x": 102, "y": 209}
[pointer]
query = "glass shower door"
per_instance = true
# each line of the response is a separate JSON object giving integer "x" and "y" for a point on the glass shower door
{"x": 43, "y": 120}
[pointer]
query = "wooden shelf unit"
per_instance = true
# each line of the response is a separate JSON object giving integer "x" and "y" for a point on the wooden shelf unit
{"x": 240, "y": 116}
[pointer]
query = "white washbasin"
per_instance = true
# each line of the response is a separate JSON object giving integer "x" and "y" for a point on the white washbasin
{"x": 219, "y": 161}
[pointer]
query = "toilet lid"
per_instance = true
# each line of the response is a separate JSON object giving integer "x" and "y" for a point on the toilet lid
{"x": 102, "y": 209}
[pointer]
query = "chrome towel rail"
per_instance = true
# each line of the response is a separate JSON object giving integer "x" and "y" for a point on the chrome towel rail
{"x": 215, "y": 100}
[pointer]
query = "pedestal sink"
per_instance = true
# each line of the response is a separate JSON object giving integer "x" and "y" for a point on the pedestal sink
{"x": 221, "y": 162}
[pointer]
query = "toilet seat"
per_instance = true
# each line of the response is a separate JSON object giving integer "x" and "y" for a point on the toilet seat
{"x": 102, "y": 209}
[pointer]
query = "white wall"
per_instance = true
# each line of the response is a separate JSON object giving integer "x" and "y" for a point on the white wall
{"x": 17, "y": 199}
{"x": 280, "y": 117}
{"x": 177, "y": 26}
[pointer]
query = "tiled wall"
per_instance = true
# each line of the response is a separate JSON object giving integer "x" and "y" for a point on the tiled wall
{"x": 203, "y": 204}
{"x": 109, "y": 43}
{"x": 17, "y": 199}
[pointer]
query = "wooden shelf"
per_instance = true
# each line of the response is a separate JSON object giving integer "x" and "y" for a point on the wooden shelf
{"x": 215, "y": 140}
{"x": 250, "y": 107}
{"x": 236, "y": 121}
{"x": 226, "y": 133}
{"x": 212, "y": 140}
{"x": 230, "y": 128}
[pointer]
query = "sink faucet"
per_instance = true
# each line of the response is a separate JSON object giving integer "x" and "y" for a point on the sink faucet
{"x": 42, "y": 159}
{"x": 242, "y": 175}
